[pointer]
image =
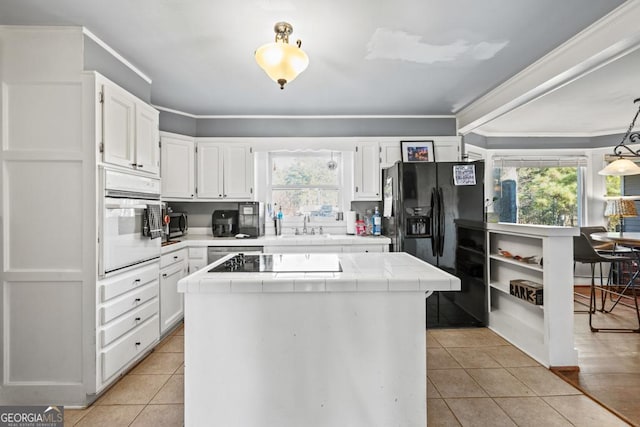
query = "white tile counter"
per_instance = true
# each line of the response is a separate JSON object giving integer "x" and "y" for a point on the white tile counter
{"x": 310, "y": 349}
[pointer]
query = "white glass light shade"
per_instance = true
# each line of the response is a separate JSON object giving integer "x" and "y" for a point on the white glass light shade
{"x": 621, "y": 167}
{"x": 281, "y": 61}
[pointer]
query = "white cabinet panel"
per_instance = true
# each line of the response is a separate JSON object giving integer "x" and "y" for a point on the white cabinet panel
{"x": 118, "y": 116}
{"x": 367, "y": 172}
{"x": 389, "y": 153}
{"x": 224, "y": 171}
{"x": 129, "y": 131}
{"x": 147, "y": 139}
{"x": 177, "y": 162}
{"x": 171, "y": 301}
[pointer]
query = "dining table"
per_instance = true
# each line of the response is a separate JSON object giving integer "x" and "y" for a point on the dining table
{"x": 626, "y": 242}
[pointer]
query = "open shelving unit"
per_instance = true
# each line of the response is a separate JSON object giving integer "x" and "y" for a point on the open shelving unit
{"x": 545, "y": 332}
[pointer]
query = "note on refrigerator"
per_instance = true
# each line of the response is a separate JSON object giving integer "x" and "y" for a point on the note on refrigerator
{"x": 388, "y": 198}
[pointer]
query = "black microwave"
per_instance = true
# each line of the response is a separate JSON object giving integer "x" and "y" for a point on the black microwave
{"x": 178, "y": 224}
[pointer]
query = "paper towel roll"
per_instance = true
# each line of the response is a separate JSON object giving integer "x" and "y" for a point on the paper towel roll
{"x": 351, "y": 222}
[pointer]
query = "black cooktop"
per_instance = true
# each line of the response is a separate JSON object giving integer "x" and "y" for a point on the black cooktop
{"x": 279, "y": 263}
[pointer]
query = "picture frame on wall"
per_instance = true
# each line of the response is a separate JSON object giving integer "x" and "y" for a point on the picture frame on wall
{"x": 417, "y": 151}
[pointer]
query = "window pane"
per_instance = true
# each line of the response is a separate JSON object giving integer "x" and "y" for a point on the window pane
{"x": 304, "y": 169}
{"x": 316, "y": 202}
{"x": 538, "y": 195}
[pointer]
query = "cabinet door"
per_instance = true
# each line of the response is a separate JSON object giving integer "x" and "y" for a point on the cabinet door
{"x": 367, "y": 172}
{"x": 147, "y": 139}
{"x": 389, "y": 153}
{"x": 209, "y": 171}
{"x": 118, "y": 130}
{"x": 171, "y": 301}
{"x": 447, "y": 149}
{"x": 238, "y": 171}
{"x": 177, "y": 168}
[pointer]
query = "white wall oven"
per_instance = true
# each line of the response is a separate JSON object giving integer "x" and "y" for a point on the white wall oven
{"x": 131, "y": 221}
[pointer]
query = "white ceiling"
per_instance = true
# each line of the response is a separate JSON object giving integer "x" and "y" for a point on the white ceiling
{"x": 367, "y": 57}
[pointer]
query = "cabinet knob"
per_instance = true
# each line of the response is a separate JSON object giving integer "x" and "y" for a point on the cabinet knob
{"x": 137, "y": 319}
{"x": 356, "y": 188}
{"x": 225, "y": 195}
{"x": 137, "y": 299}
{"x": 138, "y": 343}
{"x": 140, "y": 166}
{"x": 164, "y": 274}
{"x": 136, "y": 282}
{"x": 219, "y": 195}
{"x": 175, "y": 257}
{"x": 134, "y": 164}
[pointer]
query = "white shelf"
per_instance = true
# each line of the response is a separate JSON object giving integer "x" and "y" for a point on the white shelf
{"x": 545, "y": 332}
{"x": 535, "y": 267}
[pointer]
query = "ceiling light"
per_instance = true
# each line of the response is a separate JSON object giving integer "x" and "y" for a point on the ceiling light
{"x": 280, "y": 60}
{"x": 623, "y": 166}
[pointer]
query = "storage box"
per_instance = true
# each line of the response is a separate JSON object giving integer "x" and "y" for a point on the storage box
{"x": 526, "y": 290}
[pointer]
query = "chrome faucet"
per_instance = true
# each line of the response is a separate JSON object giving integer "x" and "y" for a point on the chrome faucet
{"x": 305, "y": 221}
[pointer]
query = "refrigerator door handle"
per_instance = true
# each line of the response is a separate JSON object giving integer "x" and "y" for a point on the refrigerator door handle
{"x": 433, "y": 221}
{"x": 441, "y": 222}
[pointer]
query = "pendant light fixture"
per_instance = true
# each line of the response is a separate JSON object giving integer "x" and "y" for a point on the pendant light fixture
{"x": 622, "y": 166}
{"x": 281, "y": 61}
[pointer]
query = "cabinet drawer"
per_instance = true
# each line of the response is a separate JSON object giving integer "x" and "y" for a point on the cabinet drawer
{"x": 197, "y": 253}
{"x": 128, "y": 302}
{"x": 173, "y": 257}
{"x": 127, "y": 348}
{"x": 129, "y": 321}
{"x": 125, "y": 282}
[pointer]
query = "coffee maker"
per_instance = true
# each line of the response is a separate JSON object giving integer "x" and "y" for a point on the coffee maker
{"x": 251, "y": 218}
{"x": 224, "y": 223}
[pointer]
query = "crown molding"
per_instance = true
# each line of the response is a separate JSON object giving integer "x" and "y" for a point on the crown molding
{"x": 115, "y": 54}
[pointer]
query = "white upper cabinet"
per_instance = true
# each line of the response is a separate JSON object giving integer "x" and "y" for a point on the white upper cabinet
{"x": 389, "y": 153}
{"x": 177, "y": 170}
{"x": 225, "y": 170}
{"x": 130, "y": 131}
{"x": 447, "y": 148}
{"x": 366, "y": 171}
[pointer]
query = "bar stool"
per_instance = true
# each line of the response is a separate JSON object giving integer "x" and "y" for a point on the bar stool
{"x": 584, "y": 253}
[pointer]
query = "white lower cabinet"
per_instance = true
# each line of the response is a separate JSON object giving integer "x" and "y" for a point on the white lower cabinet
{"x": 310, "y": 249}
{"x": 174, "y": 267}
{"x": 127, "y": 320}
{"x": 197, "y": 259}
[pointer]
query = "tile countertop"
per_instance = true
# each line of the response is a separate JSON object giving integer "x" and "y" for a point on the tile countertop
{"x": 199, "y": 240}
{"x": 361, "y": 272}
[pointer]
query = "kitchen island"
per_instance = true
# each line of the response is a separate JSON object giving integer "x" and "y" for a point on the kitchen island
{"x": 308, "y": 339}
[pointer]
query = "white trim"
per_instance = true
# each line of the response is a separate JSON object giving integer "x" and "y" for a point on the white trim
{"x": 115, "y": 54}
{"x": 548, "y": 134}
{"x": 266, "y": 116}
{"x": 589, "y": 50}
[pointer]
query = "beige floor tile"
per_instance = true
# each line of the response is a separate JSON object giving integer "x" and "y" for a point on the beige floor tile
{"x": 499, "y": 382}
{"x": 72, "y": 416}
{"x": 134, "y": 389}
{"x": 531, "y": 412}
{"x": 473, "y": 358}
{"x": 172, "y": 344}
{"x": 479, "y": 412}
{"x": 160, "y": 416}
{"x": 543, "y": 382}
{"x": 510, "y": 357}
{"x": 180, "y": 370}
{"x": 439, "y": 414}
{"x": 455, "y": 383}
{"x": 171, "y": 392}
{"x": 110, "y": 416}
{"x": 582, "y": 411}
{"x": 432, "y": 392}
{"x": 159, "y": 363}
{"x": 477, "y": 337}
{"x": 439, "y": 358}
{"x": 431, "y": 341}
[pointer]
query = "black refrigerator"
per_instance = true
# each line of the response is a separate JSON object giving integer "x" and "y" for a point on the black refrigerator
{"x": 422, "y": 201}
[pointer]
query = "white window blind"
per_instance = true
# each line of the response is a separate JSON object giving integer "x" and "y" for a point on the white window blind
{"x": 539, "y": 161}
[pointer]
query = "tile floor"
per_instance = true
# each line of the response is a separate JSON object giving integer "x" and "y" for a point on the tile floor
{"x": 475, "y": 378}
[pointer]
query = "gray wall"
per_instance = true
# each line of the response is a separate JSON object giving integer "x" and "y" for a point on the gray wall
{"x": 98, "y": 59}
{"x": 494, "y": 143}
{"x": 306, "y": 127}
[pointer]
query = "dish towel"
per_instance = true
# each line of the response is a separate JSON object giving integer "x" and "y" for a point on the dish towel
{"x": 152, "y": 222}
